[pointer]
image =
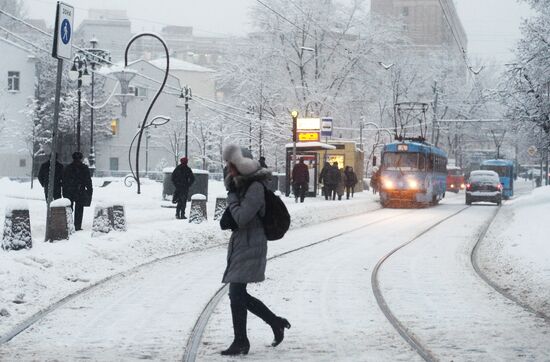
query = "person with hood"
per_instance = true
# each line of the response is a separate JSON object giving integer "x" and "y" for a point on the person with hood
{"x": 350, "y": 180}
{"x": 44, "y": 178}
{"x": 300, "y": 180}
{"x": 247, "y": 248}
{"x": 182, "y": 178}
{"x": 322, "y": 179}
{"x": 77, "y": 187}
{"x": 332, "y": 179}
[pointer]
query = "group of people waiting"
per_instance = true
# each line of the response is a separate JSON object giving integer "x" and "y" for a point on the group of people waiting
{"x": 73, "y": 182}
{"x": 335, "y": 181}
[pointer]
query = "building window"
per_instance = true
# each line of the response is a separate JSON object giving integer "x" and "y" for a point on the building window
{"x": 22, "y": 162}
{"x": 113, "y": 163}
{"x": 405, "y": 11}
{"x": 114, "y": 127}
{"x": 138, "y": 91}
{"x": 13, "y": 81}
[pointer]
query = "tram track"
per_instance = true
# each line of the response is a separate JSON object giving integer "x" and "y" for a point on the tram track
{"x": 194, "y": 340}
{"x": 490, "y": 282}
{"x": 36, "y": 317}
{"x": 407, "y": 335}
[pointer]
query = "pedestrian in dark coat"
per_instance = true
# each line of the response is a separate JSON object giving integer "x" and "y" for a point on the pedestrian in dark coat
{"x": 341, "y": 187}
{"x": 322, "y": 179}
{"x": 350, "y": 180}
{"x": 182, "y": 178}
{"x": 44, "y": 178}
{"x": 247, "y": 249}
{"x": 375, "y": 180}
{"x": 300, "y": 180}
{"x": 262, "y": 162}
{"x": 332, "y": 179}
{"x": 77, "y": 187}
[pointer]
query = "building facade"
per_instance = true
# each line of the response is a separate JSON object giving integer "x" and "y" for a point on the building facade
{"x": 426, "y": 22}
{"x": 17, "y": 87}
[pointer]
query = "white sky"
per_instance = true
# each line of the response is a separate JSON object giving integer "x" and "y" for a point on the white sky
{"x": 492, "y": 25}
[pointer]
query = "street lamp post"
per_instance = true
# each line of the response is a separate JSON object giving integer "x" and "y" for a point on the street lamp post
{"x": 144, "y": 124}
{"x": 79, "y": 72}
{"x": 96, "y": 57}
{"x": 186, "y": 95}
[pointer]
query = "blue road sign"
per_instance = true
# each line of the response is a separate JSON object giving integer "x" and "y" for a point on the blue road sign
{"x": 65, "y": 31}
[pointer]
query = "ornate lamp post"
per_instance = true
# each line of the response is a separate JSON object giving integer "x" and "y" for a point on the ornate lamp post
{"x": 79, "y": 72}
{"x": 145, "y": 124}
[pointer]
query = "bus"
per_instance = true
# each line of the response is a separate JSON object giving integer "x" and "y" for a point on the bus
{"x": 505, "y": 170}
{"x": 412, "y": 172}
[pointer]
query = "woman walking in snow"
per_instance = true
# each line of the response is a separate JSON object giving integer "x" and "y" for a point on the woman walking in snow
{"x": 247, "y": 249}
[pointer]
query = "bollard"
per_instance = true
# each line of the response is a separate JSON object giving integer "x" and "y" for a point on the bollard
{"x": 17, "y": 228}
{"x": 108, "y": 218}
{"x": 60, "y": 220}
{"x": 119, "y": 218}
{"x": 221, "y": 204}
{"x": 198, "y": 209}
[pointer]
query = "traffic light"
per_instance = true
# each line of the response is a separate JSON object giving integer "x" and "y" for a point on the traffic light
{"x": 294, "y": 115}
{"x": 373, "y": 161}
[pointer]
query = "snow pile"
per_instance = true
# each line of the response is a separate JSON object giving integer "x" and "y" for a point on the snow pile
{"x": 516, "y": 250}
{"x": 60, "y": 203}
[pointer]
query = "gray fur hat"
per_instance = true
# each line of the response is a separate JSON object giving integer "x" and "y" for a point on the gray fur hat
{"x": 241, "y": 158}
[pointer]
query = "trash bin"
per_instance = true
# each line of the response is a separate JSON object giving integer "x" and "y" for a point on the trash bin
{"x": 168, "y": 187}
{"x": 200, "y": 186}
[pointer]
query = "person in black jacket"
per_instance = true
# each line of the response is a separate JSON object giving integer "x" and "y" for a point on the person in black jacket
{"x": 182, "y": 178}
{"x": 44, "y": 178}
{"x": 77, "y": 187}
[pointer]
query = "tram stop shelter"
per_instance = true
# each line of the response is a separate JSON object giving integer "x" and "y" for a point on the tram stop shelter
{"x": 311, "y": 153}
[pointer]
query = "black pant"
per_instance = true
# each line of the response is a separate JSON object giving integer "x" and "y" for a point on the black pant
{"x": 78, "y": 210}
{"x": 330, "y": 192}
{"x": 300, "y": 190}
{"x": 350, "y": 189}
{"x": 240, "y": 298}
{"x": 182, "y": 202}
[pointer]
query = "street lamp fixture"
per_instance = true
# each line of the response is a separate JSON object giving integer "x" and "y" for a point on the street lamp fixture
{"x": 79, "y": 72}
{"x": 124, "y": 77}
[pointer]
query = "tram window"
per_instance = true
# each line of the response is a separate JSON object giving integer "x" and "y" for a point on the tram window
{"x": 421, "y": 162}
{"x": 401, "y": 160}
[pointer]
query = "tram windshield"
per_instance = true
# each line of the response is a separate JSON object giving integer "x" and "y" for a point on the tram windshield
{"x": 403, "y": 161}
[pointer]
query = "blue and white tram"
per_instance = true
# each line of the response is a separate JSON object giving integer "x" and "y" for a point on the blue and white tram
{"x": 412, "y": 172}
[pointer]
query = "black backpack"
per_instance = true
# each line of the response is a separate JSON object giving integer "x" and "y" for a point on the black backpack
{"x": 276, "y": 219}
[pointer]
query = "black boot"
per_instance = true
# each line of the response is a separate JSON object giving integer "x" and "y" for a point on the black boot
{"x": 240, "y": 344}
{"x": 277, "y": 324}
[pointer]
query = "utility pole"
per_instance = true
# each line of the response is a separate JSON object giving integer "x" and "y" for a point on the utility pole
{"x": 435, "y": 125}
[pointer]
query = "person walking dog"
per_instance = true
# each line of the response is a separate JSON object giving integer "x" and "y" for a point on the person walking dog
{"x": 247, "y": 249}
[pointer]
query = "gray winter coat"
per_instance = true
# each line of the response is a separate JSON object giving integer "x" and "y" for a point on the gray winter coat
{"x": 247, "y": 249}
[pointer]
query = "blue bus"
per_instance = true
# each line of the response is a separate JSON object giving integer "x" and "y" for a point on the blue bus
{"x": 505, "y": 170}
{"x": 412, "y": 172}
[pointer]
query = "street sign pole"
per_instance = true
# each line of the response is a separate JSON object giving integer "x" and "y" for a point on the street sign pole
{"x": 62, "y": 49}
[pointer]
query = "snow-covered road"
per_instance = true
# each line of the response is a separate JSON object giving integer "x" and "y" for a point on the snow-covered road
{"x": 323, "y": 290}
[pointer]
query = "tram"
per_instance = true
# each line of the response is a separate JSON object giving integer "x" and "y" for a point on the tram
{"x": 505, "y": 170}
{"x": 413, "y": 172}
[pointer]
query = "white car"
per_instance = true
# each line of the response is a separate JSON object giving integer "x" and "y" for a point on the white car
{"x": 483, "y": 185}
